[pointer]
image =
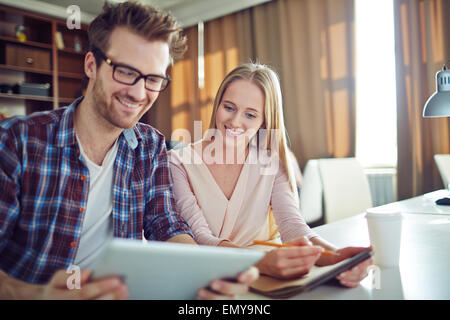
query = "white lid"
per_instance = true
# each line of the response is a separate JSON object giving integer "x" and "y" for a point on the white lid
{"x": 383, "y": 213}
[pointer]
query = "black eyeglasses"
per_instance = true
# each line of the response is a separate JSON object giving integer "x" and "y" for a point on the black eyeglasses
{"x": 130, "y": 76}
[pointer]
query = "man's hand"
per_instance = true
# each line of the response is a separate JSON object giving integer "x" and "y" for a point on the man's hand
{"x": 105, "y": 289}
{"x": 225, "y": 290}
{"x": 57, "y": 288}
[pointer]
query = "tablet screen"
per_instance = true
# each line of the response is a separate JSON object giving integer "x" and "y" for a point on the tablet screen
{"x": 166, "y": 270}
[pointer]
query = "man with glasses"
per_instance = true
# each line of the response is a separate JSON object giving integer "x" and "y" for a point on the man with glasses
{"x": 74, "y": 177}
{"x": 130, "y": 76}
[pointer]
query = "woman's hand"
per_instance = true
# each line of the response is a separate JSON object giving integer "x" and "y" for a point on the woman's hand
{"x": 225, "y": 290}
{"x": 350, "y": 278}
{"x": 290, "y": 262}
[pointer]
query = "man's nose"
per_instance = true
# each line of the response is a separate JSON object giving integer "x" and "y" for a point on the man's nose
{"x": 138, "y": 91}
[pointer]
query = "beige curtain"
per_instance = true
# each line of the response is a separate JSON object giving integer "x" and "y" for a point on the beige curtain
{"x": 176, "y": 106}
{"x": 422, "y": 31}
{"x": 183, "y": 102}
{"x": 310, "y": 44}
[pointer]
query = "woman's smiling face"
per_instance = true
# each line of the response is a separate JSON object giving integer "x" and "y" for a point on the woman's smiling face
{"x": 241, "y": 111}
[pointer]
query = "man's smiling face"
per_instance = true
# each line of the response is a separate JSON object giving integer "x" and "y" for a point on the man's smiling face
{"x": 123, "y": 105}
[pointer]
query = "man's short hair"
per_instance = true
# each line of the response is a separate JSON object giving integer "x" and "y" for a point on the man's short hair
{"x": 144, "y": 20}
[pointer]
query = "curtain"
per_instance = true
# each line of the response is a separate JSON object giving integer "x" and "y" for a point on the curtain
{"x": 422, "y": 31}
{"x": 183, "y": 102}
{"x": 310, "y": 44}
{"x": 176, "y": 106}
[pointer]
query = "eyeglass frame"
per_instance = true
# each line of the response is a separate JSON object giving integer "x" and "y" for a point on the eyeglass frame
{"x": 97, "y": 51}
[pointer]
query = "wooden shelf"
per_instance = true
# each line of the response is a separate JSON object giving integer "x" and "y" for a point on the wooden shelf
{"x": 27, "y": 43}
{"x": 63, "y": 25}
{"x": 65, "y": 66}
{"x": 25, "y": 97}
{"x": 71, "y": 51}
{"x": 35, "y": 98}
{"x": 70, "y": 75}
{"x": 25, "y": 69}
{"x": 66, "y": 100}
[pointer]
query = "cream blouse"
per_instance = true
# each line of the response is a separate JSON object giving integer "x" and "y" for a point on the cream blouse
{"x": 244, "y": 217}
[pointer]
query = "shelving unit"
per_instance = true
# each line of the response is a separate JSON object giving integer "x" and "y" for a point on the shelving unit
{"x": 25, "y": 97}
{"x": 38, "y": 60}
{"x": 26, "y": 43}
{"x": 25, "y": 69}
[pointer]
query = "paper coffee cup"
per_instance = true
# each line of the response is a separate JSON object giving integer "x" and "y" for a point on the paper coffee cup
{"x": 385, "y": 228}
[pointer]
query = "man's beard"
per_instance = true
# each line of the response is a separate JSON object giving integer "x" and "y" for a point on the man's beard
{"x": 104, "y": 110}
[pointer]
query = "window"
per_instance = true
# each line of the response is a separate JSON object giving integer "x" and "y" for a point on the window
{"x": 376, "y": 114}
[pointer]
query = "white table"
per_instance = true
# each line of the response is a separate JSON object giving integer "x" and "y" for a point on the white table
{"x": 423, "y": 204}
{"x": 424, "y": 268}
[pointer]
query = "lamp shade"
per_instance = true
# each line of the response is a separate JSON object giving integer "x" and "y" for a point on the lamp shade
{"x": 438, "y": 105}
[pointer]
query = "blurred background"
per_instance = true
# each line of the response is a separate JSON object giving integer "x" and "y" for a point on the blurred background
{"x": 355, "y": 75}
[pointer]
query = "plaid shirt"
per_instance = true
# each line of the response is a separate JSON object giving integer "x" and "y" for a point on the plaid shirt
{"x": 44, "y": 189}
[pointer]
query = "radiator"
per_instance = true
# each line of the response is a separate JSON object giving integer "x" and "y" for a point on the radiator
{"x": 383, "y": 185}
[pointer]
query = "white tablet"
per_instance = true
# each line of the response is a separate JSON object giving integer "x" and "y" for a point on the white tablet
{"x": 164, "y": 270}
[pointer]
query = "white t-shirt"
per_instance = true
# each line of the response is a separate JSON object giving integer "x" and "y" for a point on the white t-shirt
{"x": 97, "y": 228}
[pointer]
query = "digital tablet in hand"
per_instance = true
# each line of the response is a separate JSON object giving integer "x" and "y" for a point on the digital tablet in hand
{"x": 165, "y": 270}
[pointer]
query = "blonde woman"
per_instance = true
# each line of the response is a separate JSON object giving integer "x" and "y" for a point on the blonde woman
{"x": 225, "y": 184}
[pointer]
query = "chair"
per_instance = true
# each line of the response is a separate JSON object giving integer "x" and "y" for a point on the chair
{"x": 334, "y": 189}
{"x": 311, "y": 193}
{"x": 345, "y": 188}
{"x": 443, "y": 164}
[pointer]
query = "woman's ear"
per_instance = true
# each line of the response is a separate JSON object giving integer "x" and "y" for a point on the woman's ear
{"x": 90, "y": 65}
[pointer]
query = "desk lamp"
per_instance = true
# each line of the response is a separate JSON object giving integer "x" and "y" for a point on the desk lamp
{"x": 438, "y": 105}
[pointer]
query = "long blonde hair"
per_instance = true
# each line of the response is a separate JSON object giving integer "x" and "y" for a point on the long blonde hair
{"x": 267, "y": 80}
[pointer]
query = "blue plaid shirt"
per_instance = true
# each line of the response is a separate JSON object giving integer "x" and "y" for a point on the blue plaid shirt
{"x": 44, "y": 189}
